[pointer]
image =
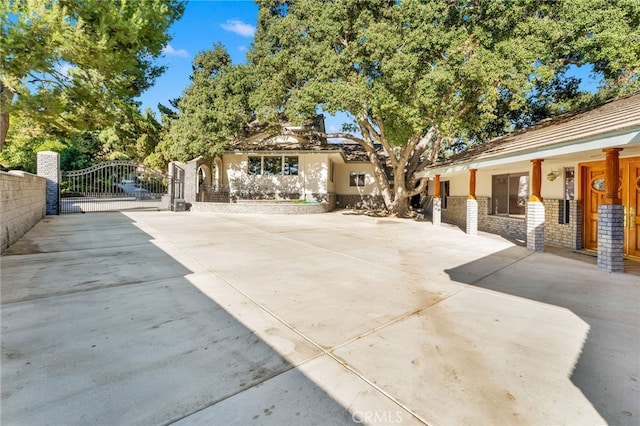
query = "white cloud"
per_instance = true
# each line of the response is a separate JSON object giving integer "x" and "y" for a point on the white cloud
{"x": 239, "y": 27}
{"x": 169, "y": 50}
{"x": 242, "y": 48}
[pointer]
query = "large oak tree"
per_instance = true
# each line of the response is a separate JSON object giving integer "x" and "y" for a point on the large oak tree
{"x": 420, "y": 75}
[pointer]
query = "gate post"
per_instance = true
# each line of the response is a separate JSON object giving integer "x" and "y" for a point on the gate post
{"x": 49, "y": 168}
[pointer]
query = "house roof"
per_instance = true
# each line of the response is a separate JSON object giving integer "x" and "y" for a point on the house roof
{"x": 351, "y": 151}
{"x": 610, "y": 117}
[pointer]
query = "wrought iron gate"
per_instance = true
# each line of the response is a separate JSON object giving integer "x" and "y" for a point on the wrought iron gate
{"x": 112, "y": 186}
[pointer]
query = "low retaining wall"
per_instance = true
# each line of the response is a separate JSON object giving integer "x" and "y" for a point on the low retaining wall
{"x": 22, "y": 203}
{"x": 261, "y": 207}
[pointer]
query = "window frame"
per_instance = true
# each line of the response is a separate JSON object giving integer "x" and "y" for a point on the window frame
{"x": 495, "y": 199}
{"x": 355, "y": 178}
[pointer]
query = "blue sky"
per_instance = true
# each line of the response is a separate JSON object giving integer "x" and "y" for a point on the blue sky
{"x": 204, "y": 23}
{"x": 231, "y": 22}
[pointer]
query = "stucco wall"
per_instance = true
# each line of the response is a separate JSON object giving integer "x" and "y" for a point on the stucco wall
{"x": 309, "y": 184}
{"x": 22, "y": 204}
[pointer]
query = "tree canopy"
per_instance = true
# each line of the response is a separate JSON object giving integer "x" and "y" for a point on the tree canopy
{"x": 78, "y": 65}
{"x": 214, "y": 108}
{"x": 419, "y": 75}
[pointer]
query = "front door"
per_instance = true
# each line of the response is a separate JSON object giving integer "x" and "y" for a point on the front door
{"x": 593, "y": 185}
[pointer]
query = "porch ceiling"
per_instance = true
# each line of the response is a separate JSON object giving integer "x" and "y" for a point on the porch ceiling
{"x": 578, "y": 136}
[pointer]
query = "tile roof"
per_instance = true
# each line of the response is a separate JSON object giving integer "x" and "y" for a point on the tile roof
{"x": 609, "y": 117}
{"x": 352, "y": 151}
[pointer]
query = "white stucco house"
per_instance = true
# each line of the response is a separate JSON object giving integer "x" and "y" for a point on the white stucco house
{"x": 289, "y": 167}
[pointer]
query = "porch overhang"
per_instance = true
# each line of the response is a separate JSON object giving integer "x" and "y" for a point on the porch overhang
{"x": 628, "y": 139}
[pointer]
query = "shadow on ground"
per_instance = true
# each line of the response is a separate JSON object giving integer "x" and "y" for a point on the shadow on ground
{"x": 608, "y": 369}
{"x": 100, "y": 326}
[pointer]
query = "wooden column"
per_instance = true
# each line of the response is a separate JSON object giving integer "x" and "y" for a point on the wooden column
{"x": 472, "y": 184}
{"x": 612, "y": 176}
{"x": 536, "y": 181}
{"x": 436, "y": 190}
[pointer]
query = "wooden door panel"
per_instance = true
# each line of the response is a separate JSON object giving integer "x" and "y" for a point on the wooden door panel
{"x": 632, "y": 231}
{"x": 592, "y": 198}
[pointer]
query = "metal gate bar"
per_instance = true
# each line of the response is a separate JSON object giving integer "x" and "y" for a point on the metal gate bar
{"x": 113, "y": 186}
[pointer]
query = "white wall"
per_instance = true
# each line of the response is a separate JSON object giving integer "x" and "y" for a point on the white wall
{"x": 311, "y": 179}
{"x": 342, "y": 172}
{"x": 459, "y": 182}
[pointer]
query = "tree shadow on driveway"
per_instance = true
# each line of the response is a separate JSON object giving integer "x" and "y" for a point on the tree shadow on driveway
{"x": 101, "y": 326}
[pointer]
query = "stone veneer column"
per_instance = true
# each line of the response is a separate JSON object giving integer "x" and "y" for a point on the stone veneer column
{"x": 436, "y": 216}
{"x": 472, "y": 217}
{"x": 535, "y": 226}
{"x": 472, "y": 205}
{"x": 611, "y": 217}
{"x": 611, "y": 237}
{"x": 535, "y": 213}
{"x": 49, "y": 168}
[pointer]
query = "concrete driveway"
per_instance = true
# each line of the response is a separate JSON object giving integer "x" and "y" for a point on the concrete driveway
{"x": 194, "y": 318}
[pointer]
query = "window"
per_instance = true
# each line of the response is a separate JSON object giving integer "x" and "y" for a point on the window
{"x": 332, "y": 167}
{"x": 272, "y": 166}
{"x": 356, "y": 179}
{"x": 290, "y": 166}
{"x": 509, "y": 194}
{"x": 569, "y": 194}
{"x": 444, "y": 193}
{"x": 255, "y": 165}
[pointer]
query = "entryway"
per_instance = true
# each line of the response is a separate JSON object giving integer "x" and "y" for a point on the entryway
{"x": 593, "y": 192}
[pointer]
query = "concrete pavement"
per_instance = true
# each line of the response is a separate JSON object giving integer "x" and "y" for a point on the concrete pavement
{"x": 198, "y": 318}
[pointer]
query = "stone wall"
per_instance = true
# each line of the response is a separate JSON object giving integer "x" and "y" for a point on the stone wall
{"x": 563, "y": 234}
{"x": 261, "y": 207}
{"x": 455, "y": 211}
{"x": 555, "y": 233}
{"x": 360, "y": 202}
{"x": 22, "y": 204}
{"x": 456, "y": 214}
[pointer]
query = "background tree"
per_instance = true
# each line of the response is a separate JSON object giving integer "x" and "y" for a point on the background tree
{"x": 77, "y": 65}
{"x": 213, "y": 109}
{"x": 418, "y": 76}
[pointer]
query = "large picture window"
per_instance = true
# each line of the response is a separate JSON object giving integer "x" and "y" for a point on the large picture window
{"x": 271, "y": 165}
{"x": 290, "y": 166}
{"x": 509, "y": 194}
{"x": 255, "y": 165}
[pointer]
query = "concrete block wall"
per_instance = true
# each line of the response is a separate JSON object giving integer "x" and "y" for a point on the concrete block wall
{"x": 366, "y": 202}
{"x": 456, "y": 211}
{"x": 611, "y": 237}
{"x": 22, "y": 204}
{"x": 563, "y": 234}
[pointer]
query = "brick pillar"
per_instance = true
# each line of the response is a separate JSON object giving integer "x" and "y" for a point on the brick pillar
{"x": 611, "y": 237}
{"x": 575, "y": 220}
{"x": 436, "y": 216}
{"x": 535, "y": 226}
{"x": 191, "y": 181}
{"x": 49, "y": 168}
{"x": 472, "y": 216}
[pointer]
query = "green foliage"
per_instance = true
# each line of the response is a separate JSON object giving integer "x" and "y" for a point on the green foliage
{"x": 420, "y": 75}
{"x": 213, "y": 109}
{"x": 78, "y": 65}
